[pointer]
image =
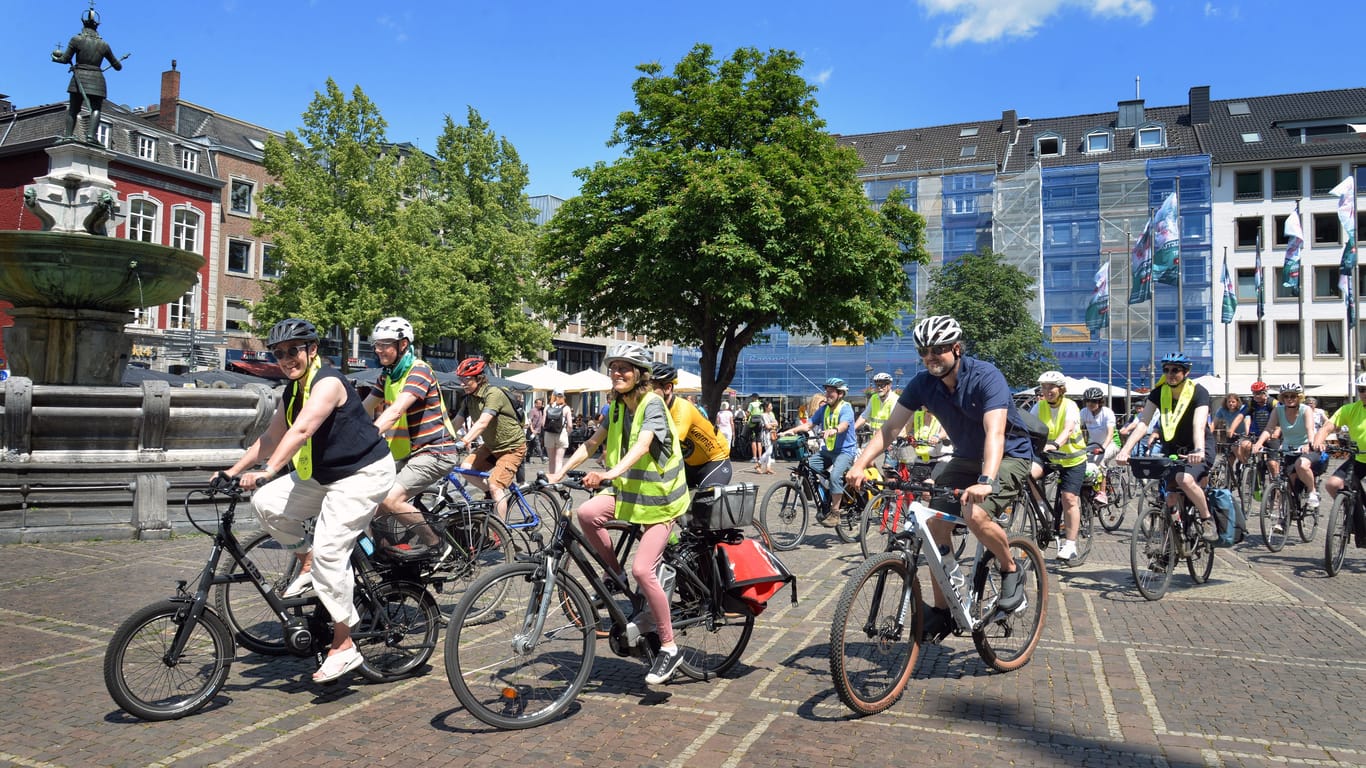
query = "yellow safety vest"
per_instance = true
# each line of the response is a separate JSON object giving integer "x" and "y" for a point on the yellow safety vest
{"x": 922, "y": 431}
{"x": 647, "y": 493}
{"x": 303, "y": 458}
{"x": 878, "y": 411}
{"x": 400, "y": 443}
{"x": 1172, "y": 417}
{"x": 1074, "y": 450}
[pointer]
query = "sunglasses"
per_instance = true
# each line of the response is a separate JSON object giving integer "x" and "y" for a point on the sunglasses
{"x": 280, "y": 353}
{"x": 385, "y": 345}
{"x": 1173, "y": 369}
{"x": 935, "y": 351}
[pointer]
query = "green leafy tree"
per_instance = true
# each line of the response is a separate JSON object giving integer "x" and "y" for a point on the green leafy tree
{"x": 987, "y": 297}
{"x": 731, "y": 210}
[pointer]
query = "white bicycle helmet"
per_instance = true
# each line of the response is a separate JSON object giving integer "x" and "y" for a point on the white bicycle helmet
{"x": 1053, "y": 377}
{"x": 1361, "y": 380}
{"x": 632, "y": 352}
{"x": 392, "y": 329}
{"x": 935, "y": 330}
{"x": 1291, "y": 388}
{"x": 883, "y": 378}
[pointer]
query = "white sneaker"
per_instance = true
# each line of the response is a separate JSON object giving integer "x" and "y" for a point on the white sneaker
{"x": 1067, "y": 550}
{"x": 1313, "y": 501}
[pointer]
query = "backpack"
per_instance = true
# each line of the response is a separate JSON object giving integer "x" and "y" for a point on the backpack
{"x": 750, "y": 575}
{"x": 1035, "y": 430}
{"x": 518, "y": 409}
{"x": 1228, "y": 519}
{"x": 554, "y": 418}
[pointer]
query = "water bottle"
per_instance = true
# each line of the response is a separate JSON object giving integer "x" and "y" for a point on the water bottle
{"x": 367, "y": 546}
{"x": 957, "y": 579}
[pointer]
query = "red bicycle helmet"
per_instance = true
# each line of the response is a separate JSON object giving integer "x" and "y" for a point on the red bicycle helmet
{"x": 1258, "y": 386}
{"x": 470, "y": 367}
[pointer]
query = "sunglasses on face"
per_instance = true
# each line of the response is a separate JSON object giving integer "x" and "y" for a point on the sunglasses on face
{"x": 385, "y": 345}
{"x": 280, "y": 353}
{"x": 1173, "y": 369}
{"x": 935, "y": 351}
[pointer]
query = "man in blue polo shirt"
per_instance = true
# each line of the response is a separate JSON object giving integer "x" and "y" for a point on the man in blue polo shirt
{"x": 991, "y": 451}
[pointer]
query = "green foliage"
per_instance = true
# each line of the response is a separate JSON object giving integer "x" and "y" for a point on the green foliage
{"x": 989, "y": 298}
{"x": 730, "y": 211}
{"x": 366, "y": 228}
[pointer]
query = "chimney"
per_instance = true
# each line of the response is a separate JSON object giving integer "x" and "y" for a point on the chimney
{"x": 5, "y": 106}
{"x": 1008, "y": 121}
{"x": 170, "y": 98}
{"x": 1130, "y": 114}
{"x": 1199, "y": 104}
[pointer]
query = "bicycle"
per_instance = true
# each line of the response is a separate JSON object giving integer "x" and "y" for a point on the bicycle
{"x": 1164, "y": 533}
{"x": 1281, "y": 504}
{"x": 885, "y": 514}
{"x": 1346, "y": 511}
{"x": 526, "y": 665}
{"x": 875, "y": 637}
{"x": 1042, "y": 520}
{"x": 527, "y": 506}
{"x": 1121, "y": 490}
{"x": 169, "y": 659}
{"x": 786, "y": 510}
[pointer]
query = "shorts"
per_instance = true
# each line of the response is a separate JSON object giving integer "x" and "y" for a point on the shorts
{"x": 1346, "y": 467}
{"x": 961, "y": 473}
{"x": 423, "y": 469}
{"x": 502, "y": 467}
{"x": 708, "y": 474}
{"x": 1070, "y": 479}
{"x": 1197, "y": 472}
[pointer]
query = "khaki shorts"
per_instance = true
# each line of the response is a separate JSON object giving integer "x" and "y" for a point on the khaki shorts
{"x": 423, "y": 469}
{"x": 961, "y": 473}
{"x": 502, "y": 467}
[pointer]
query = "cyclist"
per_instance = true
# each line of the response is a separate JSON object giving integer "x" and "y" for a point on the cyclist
{"x": 706, "y": 453}
{"x": 412, "y": 416}
{"x": 1182, "y": 407}
{"x": 1252, "y": 421}
{"x": 1067, "y": 440}
{"x": 1098, "y": 421}
{"x": 1295, "y": 423}
{"x": 879, "y": 405}
{"x": 1351, "y": 417}
{"x": 755, "y": 411}
{"x": 991, "y": 451}
{"x": 645, "y": 485}
{"x": 839, "y": 445}
{"x": 342, "y": 470}
{"x": 1223, "y": 419}
{"x": 502, "y": 453}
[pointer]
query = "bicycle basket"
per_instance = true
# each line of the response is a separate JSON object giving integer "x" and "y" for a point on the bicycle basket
{"x": 723, "y": 506}
{"x": 1149, "y": 467}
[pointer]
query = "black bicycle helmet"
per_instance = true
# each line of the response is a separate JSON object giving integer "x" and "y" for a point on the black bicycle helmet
{"x": 663, "y": 373}
{"x": 1093, "y": 393}
{"x": 291, "y": 329}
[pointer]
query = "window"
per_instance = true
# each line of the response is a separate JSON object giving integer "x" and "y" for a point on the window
{"x": 1326, "y": 282}
{"x": 1247, "y": 287}
{"x": 1322, "y": 180}
{"x": 185, "y": 230}
{"x": 189, "y": 160}
{"x": 1245, "y": 232}
{"x": 180, "y": 313}
{"x": 1278, "y": 231}
{"x": 147, "y": 148}
{"x": 1249, "y": 339}
{"x": 1247, "y": 185}
{"x": 891, "y": 158}
{"x": 236, "y": 317}
{"x": 1285, "y": 182}
{"x": 270, "y": 263}
{"x": 1150, "y": 138}
{"x": 240, "y": 200}
{"x": 1328, "y": 338}
{"x": 1048, "y": 145}
{"x": 962, "y": 182}
{"x": 1098, "y": 141}
{"x": 1238, "y": 108}
{"x": 1327, "y": 231}
{"x": 968, "y": 151}
{"x": 1251, "y": 137}
{"x": 142, "y": 220}
{"x": 144, "y": 317}
{"x": 967, "y": 132}
{"x": 964, "y": 204}
{"x": 103, "y": 134}
{"x": 1287, "y": 337}
{"x": 239, "y": 257}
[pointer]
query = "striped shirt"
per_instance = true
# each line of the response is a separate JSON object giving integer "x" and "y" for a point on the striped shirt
{"x": 426, "y": 416}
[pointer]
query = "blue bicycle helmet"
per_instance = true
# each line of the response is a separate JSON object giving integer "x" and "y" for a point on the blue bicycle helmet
{"x": 1177, "y": 358}
{"x": 837, "y": 383}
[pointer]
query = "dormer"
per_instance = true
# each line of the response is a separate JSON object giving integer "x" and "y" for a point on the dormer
{"x": 1049, "y": 144}
{"x": 1098, "y": 141}
{"x": 1150, "y": 135}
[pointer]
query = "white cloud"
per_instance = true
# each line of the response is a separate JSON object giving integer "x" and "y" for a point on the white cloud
{"x": 823, "y": 76}
{"x": 983, "y": 21}
{"x": 394, "y": 26}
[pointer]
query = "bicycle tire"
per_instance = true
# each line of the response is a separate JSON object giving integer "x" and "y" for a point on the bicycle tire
{"x": 547, "y": 507}
{"x": 785, "y": 513}
{"x": 1275, "y": 513}
{"x": 1025, "y": 519}
{"x": 872, "y": 655}
{"x": 520, "y": 688}
{"x": 873, "y": 529}
{"x": 1339, "y": 531}
{"x": 1308, "y": 523}
{"x": 711, "y": 641}
{"x": 1243, "y": 487}
{"x": 1086, "y": 530}
{"x": 396, "y": 635}
{"x": 1121, "y": 493}
{"x": 1006, "y": 642}
{"x": 240, "y": 606}
{"x": 1200, "y": 561}
{"x": 137, "y": 676}
{"x": 476, "y": 546}
{"x": 1152, "y": 553}
{"x": 849, "y": 528}
{"x": 756, "y": 530}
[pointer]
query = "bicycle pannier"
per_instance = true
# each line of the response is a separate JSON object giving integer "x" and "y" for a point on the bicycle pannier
{"x": 1036, "y": 431}
{"x": 1228, "y": 519}
{"x": 750, "y": 576}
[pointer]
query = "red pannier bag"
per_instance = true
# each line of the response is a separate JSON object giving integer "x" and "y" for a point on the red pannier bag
{"x": 750, "y": 576}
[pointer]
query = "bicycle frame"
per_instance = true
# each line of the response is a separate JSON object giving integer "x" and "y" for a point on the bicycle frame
{"x": 911, "y": 540}
{"x": 530, "y": 518}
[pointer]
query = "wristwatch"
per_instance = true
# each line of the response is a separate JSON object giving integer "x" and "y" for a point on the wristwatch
{"x": 989, "y": 480}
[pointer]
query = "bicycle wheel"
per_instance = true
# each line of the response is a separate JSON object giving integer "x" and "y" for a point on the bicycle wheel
{"x": 397, "y": 632}
{"x": 711, "y": 642}
{"x": 1025, "y": 519}
{"x": 477, "y": 544}
{"x": 1219, "y": 473}
{"x": 1086, "y": 530}
{"x": 547, "y": 507}
{"x": 1243, "y": 488}
{"x": 240, "y": 606}
{"x": 144, "y": 684}
{"x": 756, "y": 530}
{"x": 1121, "y": 493}
{"x": 850, "y": 526}
{"x": 1275, "y": 516}
{"x": 1339, "y": 531}
{"x": 1006, "y": 641}
{"x": 785, "y": 514}
{"x": 1200, "y": 561}
{"x": 502, "y": 675}
{"x": 872, "y": 650}
{"x": 1308, "y": 522}
{"x": 874, "y": 527}
{"x": 1152, "y": 553}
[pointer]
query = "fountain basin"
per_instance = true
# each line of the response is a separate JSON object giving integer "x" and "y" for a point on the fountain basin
{"x": 71, "y": 270}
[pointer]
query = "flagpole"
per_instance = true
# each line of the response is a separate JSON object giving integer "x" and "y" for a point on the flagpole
{"x": 1257, "y": 279}
{"x": 1128, "y": 336}
{"x": 1299, "y": 299}
{"x": 1350, "y": 295}
{"x": 1180, "y": 298}
{"x": 1228, "y": 374}
{"x": 1110, "y": 338}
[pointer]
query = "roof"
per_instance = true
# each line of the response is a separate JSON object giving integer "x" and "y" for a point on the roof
{"x": 217, "y": 131}
{"x": 1072, "y": 130}
{"x": 1277, "y": 120}
{"x": 936, "y": 149}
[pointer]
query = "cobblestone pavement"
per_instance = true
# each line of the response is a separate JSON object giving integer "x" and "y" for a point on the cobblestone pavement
{"x": 1264, "y": 665}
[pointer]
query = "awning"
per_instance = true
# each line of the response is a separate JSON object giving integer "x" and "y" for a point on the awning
{"x": 257, "y": 368}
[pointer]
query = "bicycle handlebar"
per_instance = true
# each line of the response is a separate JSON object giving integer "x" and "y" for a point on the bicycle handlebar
{"x": 911, "y": 486}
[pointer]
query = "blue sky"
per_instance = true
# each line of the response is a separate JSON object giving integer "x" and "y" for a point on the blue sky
{"x": 553, "y": 76}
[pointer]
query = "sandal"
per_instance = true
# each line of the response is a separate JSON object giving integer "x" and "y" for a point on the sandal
{"x": 338, "y": 664}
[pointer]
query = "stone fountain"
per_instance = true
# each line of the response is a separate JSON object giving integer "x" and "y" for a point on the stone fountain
{"x": 81, "y": 456}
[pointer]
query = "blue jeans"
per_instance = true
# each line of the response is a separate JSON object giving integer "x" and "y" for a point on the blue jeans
{"x": 839, "y": 463}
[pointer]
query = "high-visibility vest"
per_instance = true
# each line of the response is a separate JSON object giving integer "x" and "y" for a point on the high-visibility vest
{"x": 647, "y": 492}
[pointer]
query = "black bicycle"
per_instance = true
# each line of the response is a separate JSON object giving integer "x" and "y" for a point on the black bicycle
{"x": 170, "y": 659}
{"x": 1281, "y": 504}
{"x": 1040, "y": 518}
{"x": 1165, "y": 533}
{"x": 1346, "y": 513}
{"x": 787, "y": 507}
